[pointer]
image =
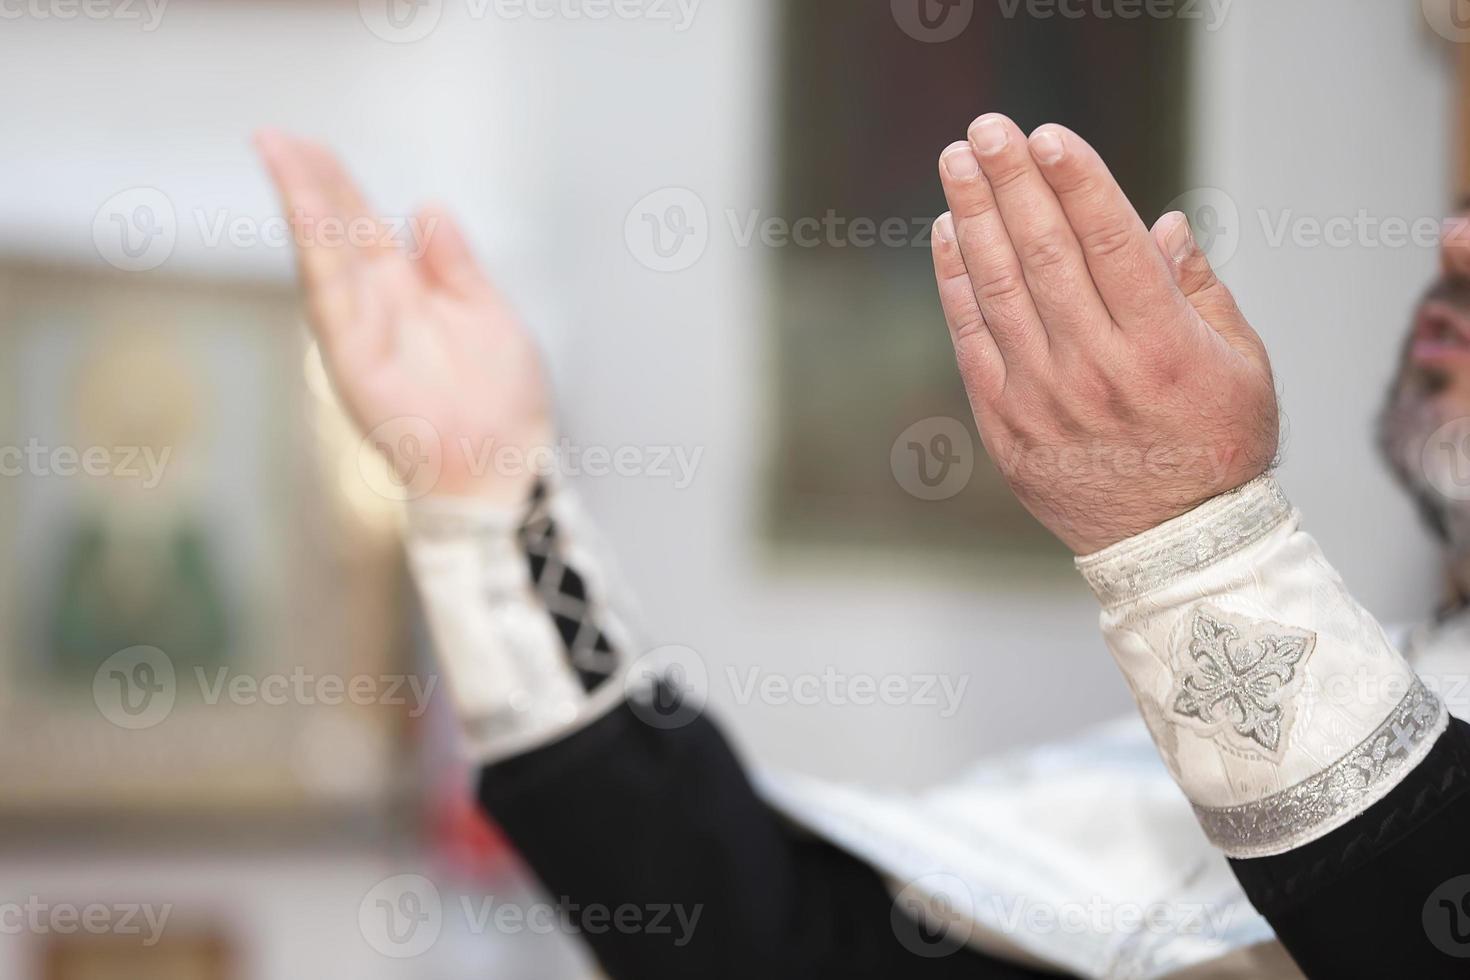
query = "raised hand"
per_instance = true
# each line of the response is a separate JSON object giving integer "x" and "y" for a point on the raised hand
{"x": 422, "y": 336}
{"x": 1114, "y": 381}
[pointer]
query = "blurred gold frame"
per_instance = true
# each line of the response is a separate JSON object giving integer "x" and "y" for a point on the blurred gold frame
{"x": 172, "y": 482}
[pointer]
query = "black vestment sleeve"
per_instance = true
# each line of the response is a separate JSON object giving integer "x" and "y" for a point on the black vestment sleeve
{"x": 1387, "y": 895}
{"x": 623, "y": 813}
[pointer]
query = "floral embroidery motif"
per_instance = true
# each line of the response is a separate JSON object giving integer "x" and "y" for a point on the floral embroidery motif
{"x": 1237, "y": 673}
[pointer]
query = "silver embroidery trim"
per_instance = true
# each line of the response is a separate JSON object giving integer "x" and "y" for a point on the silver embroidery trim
{"x": 442, "y": 519}
{"x": 1243, "y": 667}
{"x": 1320, "y": 802}
{"x": 1211, "y": 532}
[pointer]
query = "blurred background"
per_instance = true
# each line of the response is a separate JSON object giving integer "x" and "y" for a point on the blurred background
{"x": 222, "y": 749}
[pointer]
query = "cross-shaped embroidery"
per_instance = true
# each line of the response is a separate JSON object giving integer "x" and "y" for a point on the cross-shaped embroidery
{"x": 1236, "y": 673}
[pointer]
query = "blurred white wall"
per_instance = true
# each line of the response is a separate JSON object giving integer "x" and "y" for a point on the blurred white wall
{"x": 1312, "y": 112}
{"x": 544, "y": 133}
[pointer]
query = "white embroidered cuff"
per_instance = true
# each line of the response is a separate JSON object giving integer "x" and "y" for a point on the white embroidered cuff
{"x": 1276, "y": 701}
{"x": 507, "y": 668}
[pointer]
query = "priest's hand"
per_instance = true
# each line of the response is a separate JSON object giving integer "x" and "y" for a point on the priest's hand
{"x": 1114, "y": 381}
{"x": 413, "y": 338}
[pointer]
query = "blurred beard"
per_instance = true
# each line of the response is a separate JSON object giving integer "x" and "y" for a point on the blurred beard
{"x": 1414, "y": 412}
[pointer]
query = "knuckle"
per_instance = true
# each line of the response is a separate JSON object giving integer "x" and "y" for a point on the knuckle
{"x": 1102, "y": 393}
{"x": 967, "y": 324}
{"x": 1005, "y": 292}
{"x": 983, "y": 382}
{"x": 1071, "y": 179}
{"x": 1009, "y": 172}
{"x": 975, "y": 205}
{"x": 1163, "y": 358}
{"x": 1199, "y": 279}
{"x": 1044, "y": 252}
{"x": 1108, "y": 240}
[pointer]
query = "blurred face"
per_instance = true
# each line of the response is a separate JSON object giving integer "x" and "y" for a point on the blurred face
{"x": 1431, "y": 390}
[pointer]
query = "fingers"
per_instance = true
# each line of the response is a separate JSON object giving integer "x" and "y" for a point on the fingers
{"x": 1126, "y": 266}
{"x": 997, "y": 282}
{"x": 979, "y": 357}
{"x": 1050, "y": 255}
{"x": 351, "y": 279}
{"x": 323, "y": 269}
{"x": 364, "y": 233}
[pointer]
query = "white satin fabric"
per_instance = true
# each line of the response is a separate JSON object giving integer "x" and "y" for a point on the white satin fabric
{"x": 1277, "y": 702}
{"x": 1027, "y": 854}
{"x": 507, "y": 669}
{"x": 1081, "y": 856}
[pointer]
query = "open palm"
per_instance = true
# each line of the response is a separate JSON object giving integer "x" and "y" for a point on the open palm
{"x": 428, "y": 358}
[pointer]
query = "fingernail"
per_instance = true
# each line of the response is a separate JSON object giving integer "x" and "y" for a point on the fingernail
{"x": 944, "y": 227}
{"x": 1180, "y": 239}
{"x": 962, "y": 164}
{"x": 1047, "y": 145}
{"x": 989, "y": 136}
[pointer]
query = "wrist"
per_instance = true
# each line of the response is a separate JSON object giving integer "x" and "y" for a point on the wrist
{"x": 1126, "y": 522}
{"x": 507, "y": 473}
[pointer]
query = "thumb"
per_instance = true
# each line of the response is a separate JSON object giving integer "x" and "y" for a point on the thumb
{"x": 442, "y": 251}
{"x": 1210, "y": 297}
